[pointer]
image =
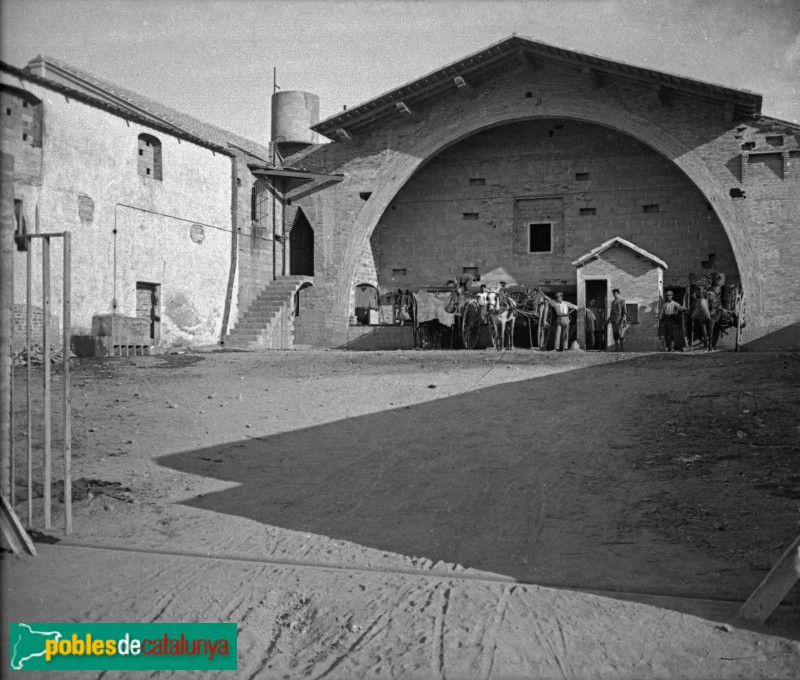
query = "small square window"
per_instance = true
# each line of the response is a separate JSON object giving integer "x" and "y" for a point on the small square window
{"x": 776, "y": 140}
{"x": 477, "y": 181}
{"x": 24, "y": 137}
{"x": 588, "y": 211}
{"x": 399, "y": 272}
{"x": 582, "y": 176}
{"x": 148, "y": 171}
{"x": 540, "y": 237}
{"x": 8, "y": 112}
{"x": 24, "y": 105}
{"x": 470, "y": 271}
{"x": 470, "y": 216}
{"x": 651, "y": 208}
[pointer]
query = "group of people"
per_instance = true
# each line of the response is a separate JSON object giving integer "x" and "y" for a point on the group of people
{"x": 596, "y": 323}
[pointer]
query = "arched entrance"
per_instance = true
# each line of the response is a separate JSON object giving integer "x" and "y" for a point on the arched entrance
{"x": 400, "y": 168}
{"x": 301, "y": 254}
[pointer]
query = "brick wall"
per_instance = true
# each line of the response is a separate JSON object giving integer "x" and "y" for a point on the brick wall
{"x": 21, "y": 117}
{"x": 625, "y": 189}
{"x": 19, "y": 326}
{"x": 688, "y": 142}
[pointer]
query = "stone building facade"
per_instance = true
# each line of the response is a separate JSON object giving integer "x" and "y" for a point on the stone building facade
{"x": 166, "y": 217}
{"x": 449, "y": 171}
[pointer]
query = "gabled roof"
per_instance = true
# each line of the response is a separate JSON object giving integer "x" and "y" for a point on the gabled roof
{"x": 618, "y": 241}
{"x": 51, "y": 69}
{"x": 500, "y": 56}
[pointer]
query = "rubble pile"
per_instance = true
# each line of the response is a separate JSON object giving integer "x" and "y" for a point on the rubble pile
{"x": 36, "y": 355}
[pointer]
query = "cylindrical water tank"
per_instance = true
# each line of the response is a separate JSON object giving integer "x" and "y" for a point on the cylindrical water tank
{"x": 293, "y": 114}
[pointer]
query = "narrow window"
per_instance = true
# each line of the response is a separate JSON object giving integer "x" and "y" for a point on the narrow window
{"x": 582, "y": 176}
{"x": 150, "y": 156}
{"x": 588, "y": 211}
{"x": 540, "y": 237}
{"x": 399, "y": 272}
{"x": 651, "y": 208}
{"x": 477, "y": 181}
{"x": 470, "y": 216}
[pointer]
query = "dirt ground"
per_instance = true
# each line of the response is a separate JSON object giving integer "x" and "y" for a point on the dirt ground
{"x": 445, "y": 514}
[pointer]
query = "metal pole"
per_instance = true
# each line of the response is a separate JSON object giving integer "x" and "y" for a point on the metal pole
{"x": 67, "y": 412}
{"x": 46, "y": 372}
{"x": 6, "y": 317}
{"x": 28, "y": 371}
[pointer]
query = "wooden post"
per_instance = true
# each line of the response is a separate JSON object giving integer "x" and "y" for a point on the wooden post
{"x": 29, "y": 372}
{"x": 774, "y": 587}
{"x": 46, "y": 379}
{"x": 67, "y": 402}
{"x": 6, "y": 317}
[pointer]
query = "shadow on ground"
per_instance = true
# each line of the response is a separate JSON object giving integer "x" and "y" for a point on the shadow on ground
{"x": 529, "y": 479}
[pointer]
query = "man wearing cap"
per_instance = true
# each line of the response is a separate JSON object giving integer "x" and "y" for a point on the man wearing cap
{"x": 671, "y": 320}
{"x": 562, "y": 309}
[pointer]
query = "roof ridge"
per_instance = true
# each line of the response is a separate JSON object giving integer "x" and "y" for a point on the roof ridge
{"x": 153, "y": 107}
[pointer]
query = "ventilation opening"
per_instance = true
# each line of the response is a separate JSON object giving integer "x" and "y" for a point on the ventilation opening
{"x": 748, "y": 145}
{"x": 651, "y": 208}
{"x": 477, "y": 181}
{"x": 364, "y": 195}
{"x": 399, "y": 272}
{"x": 470, "y": 216}
{"x": 737, "y": 193}
{"x": 588, "y": 211}
{"x": 582, "y": 176}
{"x": 776, "y": 140}
{"x": 529, "y": 95}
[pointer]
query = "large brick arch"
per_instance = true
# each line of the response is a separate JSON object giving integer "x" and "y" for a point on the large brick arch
{"x": 396, "y": 172}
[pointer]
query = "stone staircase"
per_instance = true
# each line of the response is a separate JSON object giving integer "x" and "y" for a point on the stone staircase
{"x": 268, "y": 322}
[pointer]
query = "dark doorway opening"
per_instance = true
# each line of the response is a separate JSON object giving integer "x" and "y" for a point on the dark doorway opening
{"x": 596, "y": 303}
{"x": 301, "y": 258}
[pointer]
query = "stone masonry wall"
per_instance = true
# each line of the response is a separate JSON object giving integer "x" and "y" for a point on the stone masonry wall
{"x": 691, "y": 133}
{"x": 471, "y": 207}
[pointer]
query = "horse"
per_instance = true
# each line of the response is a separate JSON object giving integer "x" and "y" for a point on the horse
{"x": 701, "y": 317}
{"x": 471, "y": 323}
{"x": 502, "y": 315}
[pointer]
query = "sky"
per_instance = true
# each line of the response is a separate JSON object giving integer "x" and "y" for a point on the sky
{"x": 215, "y": 59}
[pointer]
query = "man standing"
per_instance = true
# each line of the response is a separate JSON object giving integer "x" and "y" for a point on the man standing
{"x": 483, "y": 303}
{"x": 562, "y": 310}
{"x": 599, "y": 325}
{"x": 671, "y": 321}
{"x": 618, "y": 318}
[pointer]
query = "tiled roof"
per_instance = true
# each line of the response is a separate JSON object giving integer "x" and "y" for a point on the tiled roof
{"x": 480, "y": 66}
{"x": 55, "y": 69}
{"x": 618, "y": 241}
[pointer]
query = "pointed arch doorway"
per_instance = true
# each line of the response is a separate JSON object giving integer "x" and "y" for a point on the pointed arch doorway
{"x": 301, "y": 254}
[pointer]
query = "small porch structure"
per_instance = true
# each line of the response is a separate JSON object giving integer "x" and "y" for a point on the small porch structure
{"x": 638, "y": 274}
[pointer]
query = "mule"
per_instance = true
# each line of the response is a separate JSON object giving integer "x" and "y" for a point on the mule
{"x": 502, "y": 317}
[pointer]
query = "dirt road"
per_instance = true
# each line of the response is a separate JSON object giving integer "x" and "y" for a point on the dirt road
{"x": 385, "y": 514}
